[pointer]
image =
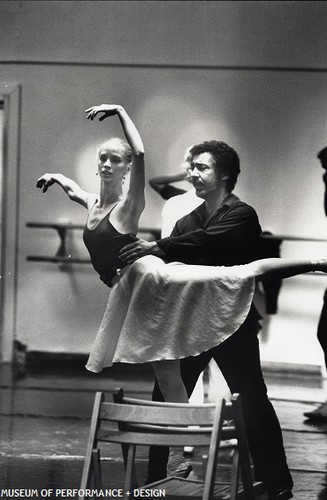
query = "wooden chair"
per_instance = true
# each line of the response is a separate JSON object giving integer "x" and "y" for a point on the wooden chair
{"x": 143, "y": 423}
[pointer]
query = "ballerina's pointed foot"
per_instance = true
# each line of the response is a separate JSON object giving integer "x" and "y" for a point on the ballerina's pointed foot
{"x": 177, "y": 465}
{"x": 321, "y": 265}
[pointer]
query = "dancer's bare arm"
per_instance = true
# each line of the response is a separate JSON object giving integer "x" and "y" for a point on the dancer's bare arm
{"x": 73, "y": 190}
{"x": 135, "y": 196}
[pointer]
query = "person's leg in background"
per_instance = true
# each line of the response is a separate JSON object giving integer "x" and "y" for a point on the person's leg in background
{"x": 320, "y": 413}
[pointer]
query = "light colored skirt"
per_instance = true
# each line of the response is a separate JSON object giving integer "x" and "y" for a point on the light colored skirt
{"x": 165, "y": 311}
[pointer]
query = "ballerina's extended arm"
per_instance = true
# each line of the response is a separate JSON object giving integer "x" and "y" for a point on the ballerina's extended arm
{"x": 73, "y": 190}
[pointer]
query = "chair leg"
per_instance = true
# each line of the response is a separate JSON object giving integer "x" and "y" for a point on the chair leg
{"x": 97, "y": 469}
{"x": 244, "y": 454}
{"x": 130, "y": 473}
{"x": 118, "y": 397}
{"x": 235, "y": 475}
{"x": 91, "y": 444}
{"x": 211, "y": 468}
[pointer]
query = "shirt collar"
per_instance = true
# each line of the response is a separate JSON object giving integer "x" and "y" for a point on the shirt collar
{"x": 229, "y": 202}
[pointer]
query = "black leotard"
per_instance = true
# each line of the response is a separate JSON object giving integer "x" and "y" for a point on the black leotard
{"x": 103, "y": 244}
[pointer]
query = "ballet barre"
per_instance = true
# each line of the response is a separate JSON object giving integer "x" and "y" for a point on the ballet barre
{"x": 63, "y": 255}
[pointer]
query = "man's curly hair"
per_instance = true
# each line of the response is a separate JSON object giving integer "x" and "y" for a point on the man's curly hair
{"x": 226, "y": 159}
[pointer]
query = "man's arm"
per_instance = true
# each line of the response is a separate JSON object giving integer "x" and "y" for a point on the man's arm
{"x": 230, "y": 240}
{"x": 234, "y": 233}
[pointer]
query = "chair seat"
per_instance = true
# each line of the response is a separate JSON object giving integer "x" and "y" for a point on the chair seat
{"x": 179, "y": 488}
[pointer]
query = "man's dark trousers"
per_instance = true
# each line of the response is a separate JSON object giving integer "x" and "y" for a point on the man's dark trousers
{"x": 322, "y": 327}
{"x": 239, "y": 360}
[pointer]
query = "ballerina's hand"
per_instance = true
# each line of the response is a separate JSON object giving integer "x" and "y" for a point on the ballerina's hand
{"x": 45, "y": 182}
{"x": 105, "y": 109}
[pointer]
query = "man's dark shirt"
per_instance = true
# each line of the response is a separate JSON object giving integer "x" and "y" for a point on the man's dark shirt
{"x": 231, "y": 236}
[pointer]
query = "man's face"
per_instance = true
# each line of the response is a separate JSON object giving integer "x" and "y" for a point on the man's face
{"x": 205, "y": 178}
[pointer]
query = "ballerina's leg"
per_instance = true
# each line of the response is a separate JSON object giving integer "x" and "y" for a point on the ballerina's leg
{"x": 168, "y": 375}
{"x": 173, "y": 390}
{"x": 284, "y": 268}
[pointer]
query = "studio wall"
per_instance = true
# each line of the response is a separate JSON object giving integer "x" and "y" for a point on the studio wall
{"x": 249, "y": 73}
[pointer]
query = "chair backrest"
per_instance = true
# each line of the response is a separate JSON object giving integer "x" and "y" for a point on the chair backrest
{"x": 143, "y": 422}
{"x": 209, "y": 430}
{"x": 133, "y": 422}
{"x": 203, "y": 414}
{"x": 223, "y": 421}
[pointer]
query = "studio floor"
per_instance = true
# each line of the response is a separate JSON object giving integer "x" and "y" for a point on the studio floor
{"x": 45, "y": 416}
